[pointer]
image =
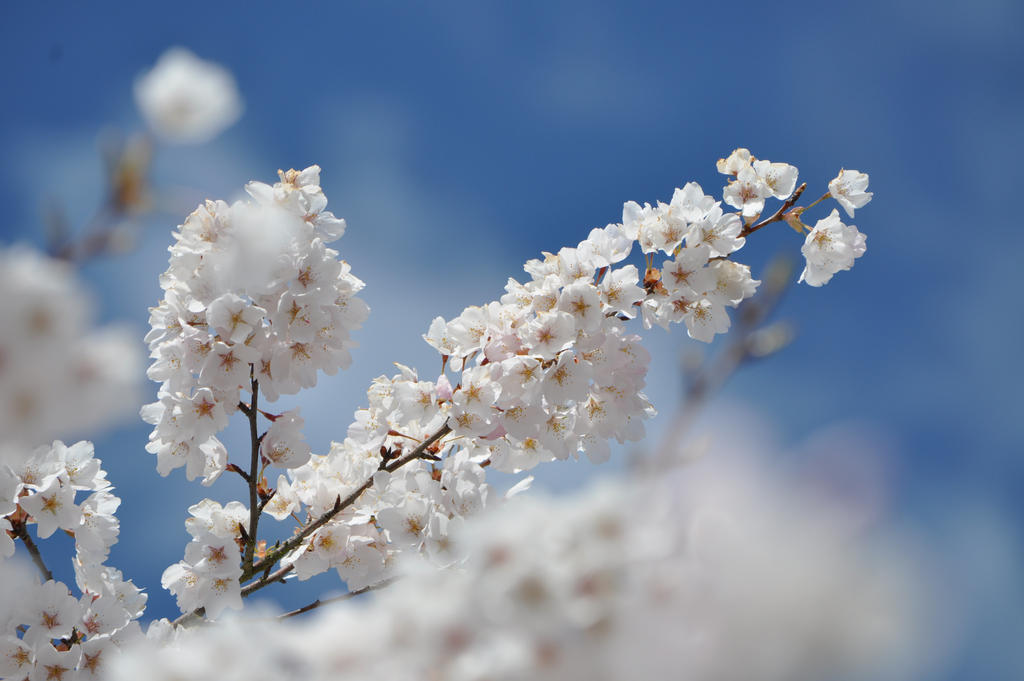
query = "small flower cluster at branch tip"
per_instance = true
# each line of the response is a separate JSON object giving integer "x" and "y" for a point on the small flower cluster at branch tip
{"x": 45, "y": 632}
{"x": 208, "y": 577}
{"x": 187, "y": 100}
{"x": 741, "y": 578}
{"x": 848, "y": 189}
{"x": 252, "y": 293}
{"x": 550, "y": 371}
{"x": 57, "y": 374}
{"x": 830, "y": 246}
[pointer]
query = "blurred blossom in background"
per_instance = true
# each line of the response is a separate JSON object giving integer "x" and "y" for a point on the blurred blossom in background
{"x": 459, "y": 143}
{"x": 187, "y": 100}
{"x": 58, "y": 376}
{"x": 723, "y": 571}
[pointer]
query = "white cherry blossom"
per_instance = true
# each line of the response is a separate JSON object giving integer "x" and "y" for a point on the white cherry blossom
{"x": 747, "y": 192}
{"x": 780, "y": 177}
{"x": 283, "y": 444}
{"x": 57, "y": 375}
{"x": 53, "y": 507}
{"x": 735, "y": 162}
{"x": 849, "y": 189}
{"x": 829, "y": 248}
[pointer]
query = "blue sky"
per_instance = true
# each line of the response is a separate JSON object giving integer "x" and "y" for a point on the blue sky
{"x": 460, "y": 140}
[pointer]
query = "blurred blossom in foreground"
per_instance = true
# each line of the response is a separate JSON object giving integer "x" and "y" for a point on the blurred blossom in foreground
{"x": 187, "y": 100}
{"x": 734, "y": 576}
{"x": 57, "y": 375}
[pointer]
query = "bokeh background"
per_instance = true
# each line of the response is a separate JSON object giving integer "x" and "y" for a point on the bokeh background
{"x": 459, "y": 140}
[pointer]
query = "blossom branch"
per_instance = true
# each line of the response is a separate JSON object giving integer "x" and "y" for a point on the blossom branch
{"x": 21, "y": 532}
{"x": 341, "y": 504}
{"x": 343, "y": 597}
{"x": 254, "y": 508}
{"x": 268, "y": 579}
{"x": 778, "y": 215}
{"x": 272, "y": 557}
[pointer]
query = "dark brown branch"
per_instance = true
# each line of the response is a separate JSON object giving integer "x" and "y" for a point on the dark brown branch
{"x": 232, "y": 468}
{"x": 254, "y": 475}
{"x": 21, "y": 531}
{"x": 779, "y": 214}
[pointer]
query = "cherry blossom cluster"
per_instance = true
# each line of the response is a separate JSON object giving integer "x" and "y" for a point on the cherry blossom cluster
{"x": 547, "y": 372}
{"x": 742, "y": 578}
{"x": 406, "y": 508}
{"x": 833, "y": 246}
{"x": 208, "y": 576}
{"x": 252, "y": 293}
{"x": 550, "y": 370}
{"x": 830, "y": 246}
{"x": 45, "y": 631}
{"x": 58, "y": 375}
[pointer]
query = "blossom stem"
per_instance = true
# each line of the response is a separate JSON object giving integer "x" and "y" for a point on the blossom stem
{"x": 189, "y": 616}
{"x": 272, "y": 557}
{"x": 823, "y": 197}
{"x": 343, "y": 597}
{"x": 21, "y": 531}
{"x": 276, "y": 576}
{"x": 99, "y": 231}
{"x": 253, "y": 480}
{"x": 779, "y": 214}
{"x": 232, "y": 468}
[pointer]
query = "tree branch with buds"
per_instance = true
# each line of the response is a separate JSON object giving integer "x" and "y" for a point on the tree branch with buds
{"x": 252, "y": 412}
{"x": 340, "y": 505}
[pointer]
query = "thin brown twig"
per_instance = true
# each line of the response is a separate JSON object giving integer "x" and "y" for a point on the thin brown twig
{"x": 232, "y": 468}
{"x": 343, "y": 597}
{"x": 98, "y": 233}
{"x": 270, "y": 578}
